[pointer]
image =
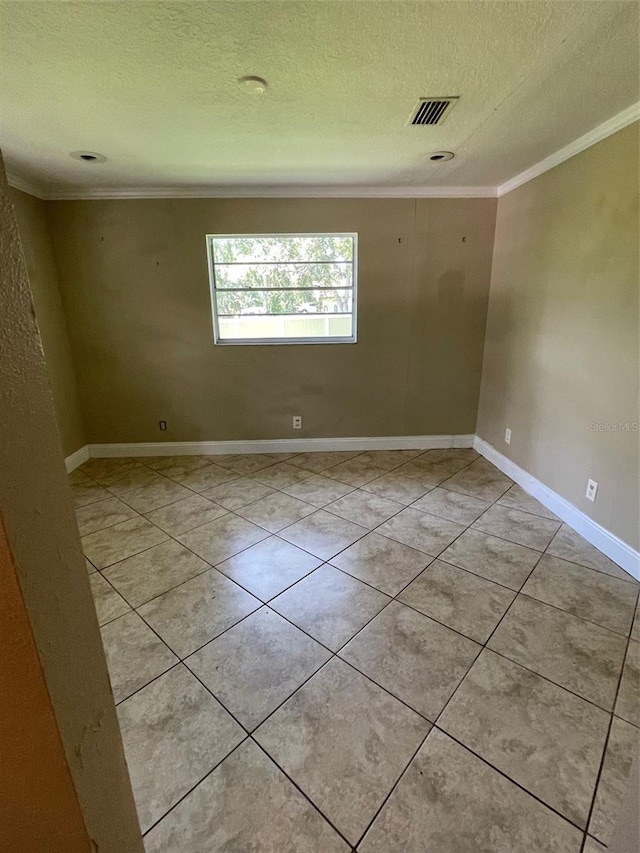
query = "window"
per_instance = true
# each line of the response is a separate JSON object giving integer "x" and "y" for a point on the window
{"x": 283, "y": 288}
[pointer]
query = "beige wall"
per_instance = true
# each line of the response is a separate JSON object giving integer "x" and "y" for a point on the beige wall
{"x": 133, "y": 276}
{"x": 561, "y": 348}
{"x": 42, "y": 538}
{"x": 43, "y": 278}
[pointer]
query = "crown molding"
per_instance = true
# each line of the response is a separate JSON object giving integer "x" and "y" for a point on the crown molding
{"x": 287, "y": 191}
{"x": 19, "y": 183}
{"x": 602, "y": 131}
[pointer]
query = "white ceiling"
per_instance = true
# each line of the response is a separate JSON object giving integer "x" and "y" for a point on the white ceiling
{"x": 153, "y": 86}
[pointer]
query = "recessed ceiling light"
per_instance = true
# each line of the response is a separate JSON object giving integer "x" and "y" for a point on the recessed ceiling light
{"x": 253, "y": 85}
{"x": 438, "y": 156}
{"x": 89, "y": 156}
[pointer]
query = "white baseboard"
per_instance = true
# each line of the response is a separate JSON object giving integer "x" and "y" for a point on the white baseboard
{"x": 617, "y": 550}
{"x": 279, "y": 445}
{"x": 81, "y": 455}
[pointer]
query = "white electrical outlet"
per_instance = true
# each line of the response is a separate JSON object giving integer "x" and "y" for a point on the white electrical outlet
{"x": 507, "y": 435}
{"x": 592, "y": 490}
{"x": 297, "y": 421}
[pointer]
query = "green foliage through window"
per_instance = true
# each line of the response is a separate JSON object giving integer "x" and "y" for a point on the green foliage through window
{"x": 284, "y": 287}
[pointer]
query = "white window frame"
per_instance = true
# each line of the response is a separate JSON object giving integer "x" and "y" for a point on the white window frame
{"x": 350, "y": 339}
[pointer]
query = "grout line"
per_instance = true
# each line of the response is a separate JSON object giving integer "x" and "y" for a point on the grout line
{"x": 151, "y": 680}
{"x": 631, "y": 579}
{"x": 510, "y": 779}
{"x": 249, "y": 736}
{"x": 447, "y": 733}
{"x": 300, "y": 790}
{"x": 472, "y": 663}
{"x": 249, "y": 732}
{"x": 393, "y": 788}
{"x": 606, "y": 742}
{"x": 192, "y": 789}
{"x": 331, "y": 657}
{"x": 575, "y": 615}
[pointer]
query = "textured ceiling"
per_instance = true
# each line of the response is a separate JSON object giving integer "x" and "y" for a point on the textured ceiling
{"x": 153, "y": 86}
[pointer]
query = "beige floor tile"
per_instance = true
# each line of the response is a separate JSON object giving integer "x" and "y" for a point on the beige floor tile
{"x": 591, "y": 595}
{"x": 569, "y": 545}
{"x": 157, "y": 570}
{"x": 109, "y": 605}
{"x": 280, "y": 475}
{"x": 122, "y": 482}
{"x": 174, "y": 732}
{"x": 623, "y": 745}
{"x": 246, "y": 463}
{"x": 90, "y": 567}
{"x": 494, "y": 559}
{"x": 480, "y": 480}
{"x": 544, "y": 738}
{"x": 245, "y": 799}
{"x": 104, "y": 469}
{"x": 342, "y": 734}
{"x": 280, "y": 457}
{"x": 403, "y": 485}
{"x": 449, "y": 801}
{"x": 84, "y": 494}
{"x": 524, "y": 528}
{"x": 413, "y": 657}
{"x": 455, "y": 456}
{"x": 381, "y": 562}
{"x": 198, "y": 610}
{"x": 323, "y": 534}
{"x": 517, "y": 498}
{"x": 77, "y": 478}
{"x": 356, "y": 471}
{"x": 222, "y": 538}
{"x": 329, "y": 605}
{"x": 269, "y": 567}
{"x": 106, "y": 513}
{"x": 254, "y": 666}
{"x": 319, "y": 461}
{"x": 184, "y": 515}
{"x": 160, "y": 493}
{"x": 205, "y": 478}
{"x": 318, "y": 490}
{"x": 628, "y": 704}
{"x": 364, "y": 508}
{"x": 593, "y": 846}
{"x": 463, "y": 601}
{"x": 346, "y": 763}
{"x": 135, "y": 655}
{"x": 275, "y": 511}
{"x": 181, "y": 470}
{"x": 451, "y": 505}
{"x": 367, "y": 466}
{"x": 427, "y": 533}
{"x": 635, "y": 630}
{"x": 390, "y": 458}
{"x": 108, "y": 546}
{"x": 175, "y": 466}
{"x": 439, "y": 465}
{"x": 237, "y": 493}
{"x": 575, "y": 654}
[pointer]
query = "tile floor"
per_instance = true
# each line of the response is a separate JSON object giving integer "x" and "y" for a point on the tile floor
{"x": 385, "y": 651}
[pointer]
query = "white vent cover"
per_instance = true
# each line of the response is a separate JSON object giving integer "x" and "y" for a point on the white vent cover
{"x": 432, "y": 110}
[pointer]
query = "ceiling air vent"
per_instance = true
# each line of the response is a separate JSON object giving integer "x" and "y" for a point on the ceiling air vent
{"x": 432, "y": 110}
